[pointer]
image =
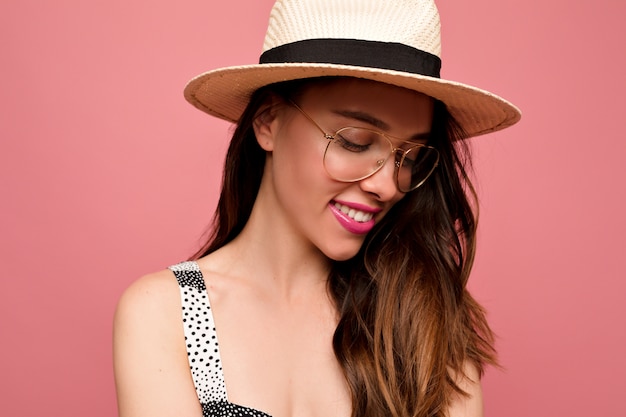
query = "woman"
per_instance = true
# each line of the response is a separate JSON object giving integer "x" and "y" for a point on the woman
{"x": 343, "y": 240}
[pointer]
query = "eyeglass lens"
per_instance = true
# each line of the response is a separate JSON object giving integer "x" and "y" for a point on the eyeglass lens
{"x": 356, "y": 153}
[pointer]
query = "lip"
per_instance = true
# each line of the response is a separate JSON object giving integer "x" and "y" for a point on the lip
{"x": 348, "y": 223}
{"x": 358, "y": 206}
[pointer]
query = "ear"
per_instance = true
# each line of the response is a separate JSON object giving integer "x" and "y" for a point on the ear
{"x": 265, "y": 125}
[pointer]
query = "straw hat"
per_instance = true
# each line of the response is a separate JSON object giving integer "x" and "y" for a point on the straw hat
{"x": 392, "y": 41}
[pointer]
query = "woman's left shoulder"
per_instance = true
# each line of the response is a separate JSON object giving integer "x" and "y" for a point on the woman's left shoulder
{"x": 470, "y": 405}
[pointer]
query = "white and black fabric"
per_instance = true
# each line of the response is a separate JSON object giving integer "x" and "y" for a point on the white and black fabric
{"x": 203, "y": 347}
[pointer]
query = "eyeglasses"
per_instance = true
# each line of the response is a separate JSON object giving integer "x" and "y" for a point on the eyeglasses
{"x": 355, "y": 153}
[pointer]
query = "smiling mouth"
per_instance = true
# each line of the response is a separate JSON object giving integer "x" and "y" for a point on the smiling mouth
{"x": 356, "y": 215}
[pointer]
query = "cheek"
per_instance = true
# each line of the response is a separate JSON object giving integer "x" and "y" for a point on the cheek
{"x": 302, "y": 187}
{"x": 299, "y": 158}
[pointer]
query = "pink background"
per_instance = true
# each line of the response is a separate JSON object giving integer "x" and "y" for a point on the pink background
{"x": 107, "y": 174}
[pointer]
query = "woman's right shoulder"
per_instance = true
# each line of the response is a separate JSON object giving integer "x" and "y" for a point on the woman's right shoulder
{"x": 152, "y": 293}
{"x": 149, "y": 354}
{"x": 149, "y": 308}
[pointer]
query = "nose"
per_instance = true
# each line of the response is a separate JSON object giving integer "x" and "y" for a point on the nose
{"x": 383, "y": 182}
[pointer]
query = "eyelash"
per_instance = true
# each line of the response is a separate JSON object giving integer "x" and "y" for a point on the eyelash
{"x": 354, "y": 147}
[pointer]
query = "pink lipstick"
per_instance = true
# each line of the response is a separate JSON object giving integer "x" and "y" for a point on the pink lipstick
{"x": 355, "y": 218}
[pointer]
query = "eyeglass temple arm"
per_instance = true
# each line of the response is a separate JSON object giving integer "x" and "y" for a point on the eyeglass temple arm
{"x": 326, "y": 135}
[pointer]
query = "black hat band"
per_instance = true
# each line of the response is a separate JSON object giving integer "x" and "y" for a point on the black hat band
{"x": 360, "y": 53}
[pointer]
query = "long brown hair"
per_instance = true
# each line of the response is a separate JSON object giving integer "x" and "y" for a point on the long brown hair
{"x": 407, "y": 323}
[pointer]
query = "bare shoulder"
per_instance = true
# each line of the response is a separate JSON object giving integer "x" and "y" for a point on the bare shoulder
{"x": 152, "y": 374}
{"x": 148, "y": 306}
{"x": 155, "y": 293}
{"x": 472, "y": 404}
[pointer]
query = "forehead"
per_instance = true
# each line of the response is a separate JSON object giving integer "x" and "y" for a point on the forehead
{"x": 402, "y": 112}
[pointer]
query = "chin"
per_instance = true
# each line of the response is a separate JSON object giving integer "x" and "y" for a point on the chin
{"x": 343, "y": 253}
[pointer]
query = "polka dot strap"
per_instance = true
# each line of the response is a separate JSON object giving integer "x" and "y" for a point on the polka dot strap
{"x": 202, "y": 346}
{"x": 200, "y": 335}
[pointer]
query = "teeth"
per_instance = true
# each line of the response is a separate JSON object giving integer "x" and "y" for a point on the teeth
{"x": 359, "y": 216}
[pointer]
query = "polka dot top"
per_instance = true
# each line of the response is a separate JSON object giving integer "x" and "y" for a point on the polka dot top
{"x": 202, "y": 346}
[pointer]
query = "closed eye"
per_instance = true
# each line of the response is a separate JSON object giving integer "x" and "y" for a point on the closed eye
{"x": 348, "y": 145}
{"x": 355, "y": 139}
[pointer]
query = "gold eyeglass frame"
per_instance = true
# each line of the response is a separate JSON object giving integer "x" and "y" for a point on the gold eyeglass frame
{"x": 380, "y": 162}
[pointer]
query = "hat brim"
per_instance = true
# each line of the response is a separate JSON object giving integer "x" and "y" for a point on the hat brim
{"x": 225, "y": 92}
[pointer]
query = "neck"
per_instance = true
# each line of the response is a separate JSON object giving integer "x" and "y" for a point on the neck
{"x": 271, "y": 252}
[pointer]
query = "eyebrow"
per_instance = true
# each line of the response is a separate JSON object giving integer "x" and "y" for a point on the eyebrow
{"x": 363, "y": 117}
{"x": 374, "y": 121}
